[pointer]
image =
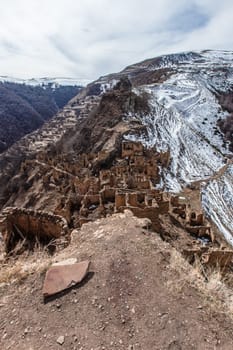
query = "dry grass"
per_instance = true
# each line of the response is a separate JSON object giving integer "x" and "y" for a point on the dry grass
{"x": 210, "y": 282}
{"x": 18, "y": 266}
{"x": 17, "y": 269}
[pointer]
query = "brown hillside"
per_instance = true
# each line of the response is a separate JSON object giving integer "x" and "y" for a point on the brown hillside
{"x": 139, "y": 294}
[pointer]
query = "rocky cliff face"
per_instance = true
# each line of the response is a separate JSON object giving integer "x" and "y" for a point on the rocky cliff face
{"x": 176, "y": 107}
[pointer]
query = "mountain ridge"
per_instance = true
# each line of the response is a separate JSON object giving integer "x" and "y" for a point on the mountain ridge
{"x": 24, "y": 108}
{"x": 54, "y": 81}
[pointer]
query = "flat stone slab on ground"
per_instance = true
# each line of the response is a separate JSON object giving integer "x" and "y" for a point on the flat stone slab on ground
{"x": 59, "y": 278}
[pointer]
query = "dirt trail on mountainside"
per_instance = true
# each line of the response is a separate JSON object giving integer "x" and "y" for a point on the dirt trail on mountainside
{"x": 137, "y": 296}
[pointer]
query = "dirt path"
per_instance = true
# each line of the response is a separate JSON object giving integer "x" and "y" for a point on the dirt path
{"x": 136, "y": 297}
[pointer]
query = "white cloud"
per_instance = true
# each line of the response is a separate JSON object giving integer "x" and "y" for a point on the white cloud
{"x": 88, "y": 38}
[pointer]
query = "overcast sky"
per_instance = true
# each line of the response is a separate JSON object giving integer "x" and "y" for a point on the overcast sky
{"x": 90, "y": 38}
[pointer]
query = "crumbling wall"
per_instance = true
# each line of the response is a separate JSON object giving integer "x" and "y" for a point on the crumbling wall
{"x": 130, "y": 148}
{"x": 31, "y": 227}
{"x": 194, "y": 222}
{"x": 150, "y": 213}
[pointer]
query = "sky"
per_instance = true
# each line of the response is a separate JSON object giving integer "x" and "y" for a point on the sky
{"x": 86, "y": 39}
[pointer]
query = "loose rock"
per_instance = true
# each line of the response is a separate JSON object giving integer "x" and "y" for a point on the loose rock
{"x": 61, "y": 340}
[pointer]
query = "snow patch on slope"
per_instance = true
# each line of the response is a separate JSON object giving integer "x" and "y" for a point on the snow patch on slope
{"x": 183, "y": 120}
{"x": 217, "y": 201}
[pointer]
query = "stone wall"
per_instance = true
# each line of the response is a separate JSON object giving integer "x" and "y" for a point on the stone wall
{"x": 194, "y": 222}
{"x": 31, "y": 226}
{"x": 131, "y": 148}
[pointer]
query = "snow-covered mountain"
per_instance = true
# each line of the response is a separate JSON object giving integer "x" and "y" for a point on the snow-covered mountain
{"x": 185, "y": 110}
{"x": 184, "y": 114}
{"x": 46, "y": 81}
{"x": 183, "y": 119}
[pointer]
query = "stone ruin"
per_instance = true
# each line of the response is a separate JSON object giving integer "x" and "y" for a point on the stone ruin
{"x": 210, "y": 253}
{"x": 128, "y": 184}
{"x": 210, "y": 257}
{"x": 82, "y": 193}
{"x": 192, "y": 221}
{"x": 24, "y": 229}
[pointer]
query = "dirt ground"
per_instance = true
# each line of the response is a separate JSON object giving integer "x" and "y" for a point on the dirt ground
{"x": 135, "y": 297}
